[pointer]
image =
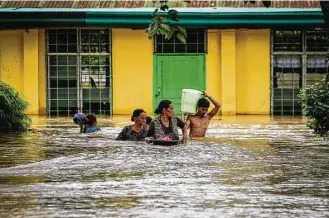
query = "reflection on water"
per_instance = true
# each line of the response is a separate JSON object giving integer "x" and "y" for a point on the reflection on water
{"x": 247, "y": 166}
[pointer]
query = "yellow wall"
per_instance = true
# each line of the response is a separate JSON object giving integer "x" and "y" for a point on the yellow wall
{"x": 42, "y": 72}
{"x": 11, "y": 55}
{"x": 228, "y": 65}
{"x": 31, "y": 70}
{"x": 22, "y": 67}
{"x": 253, "y": 71}
{"x": 132, "y": 67}
{"x": 237, "y": 69}
{"x": 213, "y": 65}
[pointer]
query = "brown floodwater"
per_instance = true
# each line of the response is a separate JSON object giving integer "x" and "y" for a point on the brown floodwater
{"x": 247, "y": 166}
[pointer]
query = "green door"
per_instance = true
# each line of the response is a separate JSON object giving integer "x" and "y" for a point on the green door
{"x": 174, "y": 73}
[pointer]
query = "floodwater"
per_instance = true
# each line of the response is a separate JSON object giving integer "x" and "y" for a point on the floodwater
{"x": 249, "y": 166}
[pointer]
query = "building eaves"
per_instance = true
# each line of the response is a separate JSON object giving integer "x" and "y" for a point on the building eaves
{"x": 151, "y": 4}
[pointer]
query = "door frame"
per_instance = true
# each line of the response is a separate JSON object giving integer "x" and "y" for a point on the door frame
{"x": 155, "y": 57}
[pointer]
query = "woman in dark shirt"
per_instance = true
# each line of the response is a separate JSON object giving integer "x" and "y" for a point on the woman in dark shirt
{"x": 136, "y": 132}
{"x": 166, "y": 124}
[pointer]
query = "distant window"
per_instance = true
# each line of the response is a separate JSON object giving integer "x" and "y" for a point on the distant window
{"x": 298, "y": 59}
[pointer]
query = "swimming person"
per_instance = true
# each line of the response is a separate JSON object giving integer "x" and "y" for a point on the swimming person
{"x": 87, "y": 123}
{"x": 79, "y": 119}
{"x": 137, "y": 131}
{"x": 166, "y": 124}
{"x": 199, "y": 122}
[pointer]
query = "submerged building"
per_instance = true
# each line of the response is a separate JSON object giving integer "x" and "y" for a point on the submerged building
{"x": 253, "y": 59}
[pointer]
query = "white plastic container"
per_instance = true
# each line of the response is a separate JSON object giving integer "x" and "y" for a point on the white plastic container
{"x": 190, "y": 98}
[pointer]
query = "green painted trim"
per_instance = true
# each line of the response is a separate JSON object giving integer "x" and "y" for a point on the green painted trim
{"x": 178, "y": 54}
{"x": 42, "y": 18}
{"x": 213, "y": 20}
{"x": 154, "y": 83}
{"x": 91, "y": 14}
{"x": 205, "y": 71}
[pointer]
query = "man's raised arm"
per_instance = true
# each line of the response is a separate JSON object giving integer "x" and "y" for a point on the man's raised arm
{"x": 215, "y": 110}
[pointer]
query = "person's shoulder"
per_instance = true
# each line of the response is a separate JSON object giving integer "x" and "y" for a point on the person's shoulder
{"x": 193, "y": 117}
{"x": 177, "y": 118}
{"x": 127, "y": 127}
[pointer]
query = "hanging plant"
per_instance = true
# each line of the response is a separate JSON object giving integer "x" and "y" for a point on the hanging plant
{"x": 165, "y": 22}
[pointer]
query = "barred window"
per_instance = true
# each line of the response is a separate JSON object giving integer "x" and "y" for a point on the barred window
{"x": 78, "y": 71}
{"x": 196, "y": 42}
{"x": 298, "y": 59}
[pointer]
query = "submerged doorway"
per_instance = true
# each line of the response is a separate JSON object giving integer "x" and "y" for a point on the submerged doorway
{"x": 179, "y": 66}
{"x": 174, "y": 73}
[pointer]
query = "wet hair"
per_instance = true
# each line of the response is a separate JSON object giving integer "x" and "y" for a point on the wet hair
{"x": 136, "y": 113}
{"x": 148, "y": 120}
{"x": 91, "y": 119}
{"x": 164, "y": 104}
{"x": 203, "y": 103}
{"x": 79, "y": 118}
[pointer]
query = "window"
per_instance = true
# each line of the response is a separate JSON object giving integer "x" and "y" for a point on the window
{"x": 298, "y": 59}
{"x": 78, "y": 71}
{"x": 196, "y": 43}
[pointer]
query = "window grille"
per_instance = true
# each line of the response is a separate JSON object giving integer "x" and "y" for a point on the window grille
{"x": 196, "y": 42}
{"x": 287, "y": 41}
{"x": 317, "y": 41}
{"x": 78, "y": 71}
{"x": 298, "y": 59}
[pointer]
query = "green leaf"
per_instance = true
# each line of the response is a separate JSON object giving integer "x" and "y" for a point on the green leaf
{"x": 170, "y": 34}
{"x": 182, "y": 30}
{"x": 164, "y": 7}
{"x": 173, "y": 15}
{"x": 267, "y": 3}
{"x": 181, "y": 38}
{"x": 166, "y": 27}
{"x": 152, "y": 29}
{"x": 172, "y": 12}
{"x": 155, "y": 12}
{"x": 12, "y": 107}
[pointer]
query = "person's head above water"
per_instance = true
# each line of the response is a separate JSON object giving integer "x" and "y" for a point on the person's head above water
{"x": 139, "y": 117}
{"x": 79, "y": 118}
{"x": 148, "y": 120}
{"x": 165, "y": 107}
{"x": 203, "y": 106}
{"x": 90, "y": 119}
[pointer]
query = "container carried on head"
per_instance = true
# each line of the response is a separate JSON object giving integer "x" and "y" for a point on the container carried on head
{"x": 190, "y": 98}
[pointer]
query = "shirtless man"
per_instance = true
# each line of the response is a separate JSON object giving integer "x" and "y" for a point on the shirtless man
{"x": 199, "y": 122}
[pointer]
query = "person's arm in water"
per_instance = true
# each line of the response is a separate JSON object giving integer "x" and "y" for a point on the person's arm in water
{"x": 186, "y": 127}
{"x": 181, "y": 125}
{"x": 215, "y": 110}
{"x": 182, "y": 116}
{"x": 81, "y": 128}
